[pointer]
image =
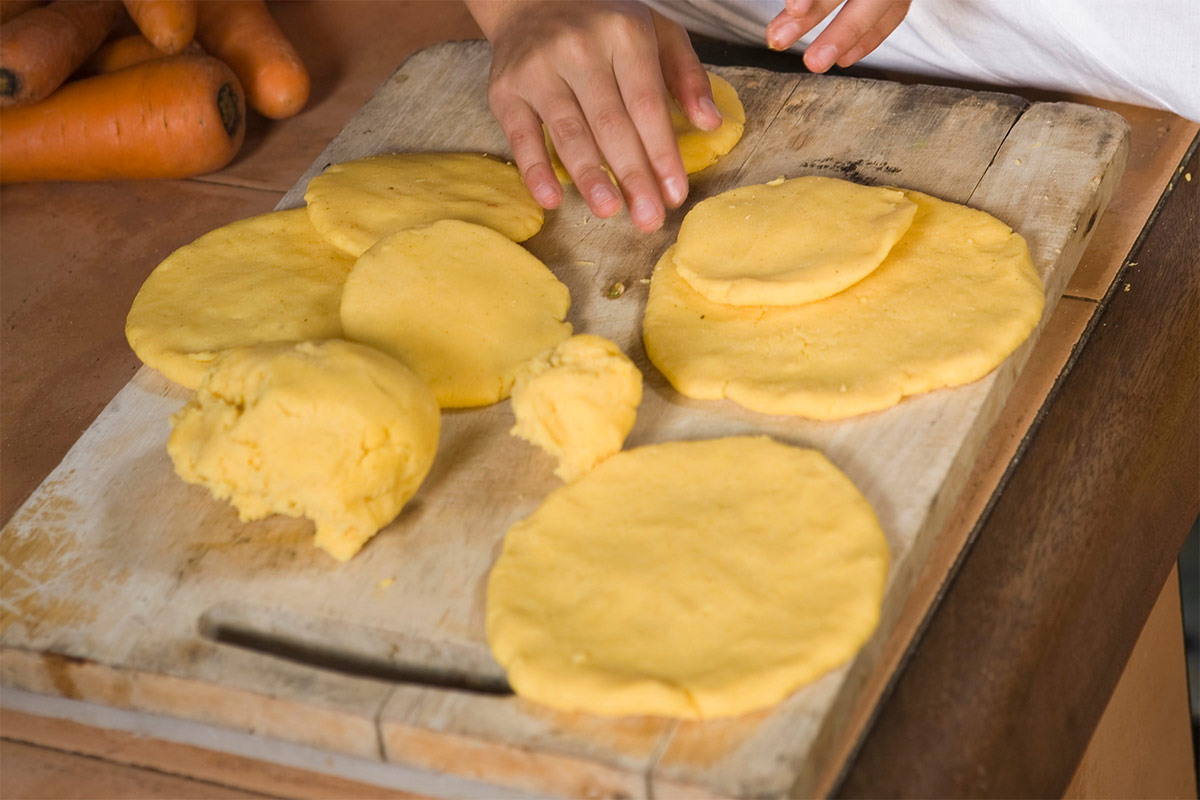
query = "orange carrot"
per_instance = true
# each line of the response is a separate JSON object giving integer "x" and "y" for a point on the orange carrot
{"x": 40, "y": 48}
{"x": 14, "y": 8}
{"x": 242, "y": 34}
{"x": 126, "y": 51}
{"x": 168, "y": 24}
{"x": 170, "y": 118}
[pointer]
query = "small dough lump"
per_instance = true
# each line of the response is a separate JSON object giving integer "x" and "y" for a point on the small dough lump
{"x": 357, "y": 203}
{"x": 461, "y": 305}
{"x": 789, "y": 242}
{"x": 578, "y": 402}
{"x": 698, "y": 148}
{"x": 270, "y": 278}
{"x": 956, "y": 295}
{"x": 691, "y": 579}
{"x": 333, "y": 431}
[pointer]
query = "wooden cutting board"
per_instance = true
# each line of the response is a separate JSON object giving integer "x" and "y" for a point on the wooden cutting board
{"x": 121, "y": 585}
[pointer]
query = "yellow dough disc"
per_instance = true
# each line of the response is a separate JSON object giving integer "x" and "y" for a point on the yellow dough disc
{"x": 270, "y": 278}
{"x": 789, "y": 242}
{"x": 333, "y": 431}
{"x": 690, "y": 579}
{"x": 698, "y": 148}
{"x": 956, "y": 295}
{"x": 460, "y": 304}
{"x": 357, "y": 203}
{"x": 578, "y": 402}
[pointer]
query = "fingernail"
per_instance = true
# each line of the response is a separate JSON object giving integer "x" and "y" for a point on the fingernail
{"x": 710, "y": 110}
{"x": 546, "y": 194}
{"x": 676, "y": 191}
{"x": 603, "y": 194}
{"x": 785, "y": 35}
{"x": 821, "y": 58}
{"x": 644, "y": 211}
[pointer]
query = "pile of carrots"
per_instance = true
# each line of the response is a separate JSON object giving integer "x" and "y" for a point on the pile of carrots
{"x": 80, "y": 100}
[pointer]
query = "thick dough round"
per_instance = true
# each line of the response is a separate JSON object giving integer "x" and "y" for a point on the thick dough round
{"x": 957, "y": 294}
{"x": 270, "y": 278}
{"x": 333, "y": 431}
{"x": 460, "y": 304}
{"x": 578, "y": 402}
{"x": 698, "y": 148}
{"x": 357, "y": 203}
{"x": 786, "y": 243}
{"x": 690, "y": 579}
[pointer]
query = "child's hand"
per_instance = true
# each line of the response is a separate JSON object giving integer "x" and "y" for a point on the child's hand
{"x": 856, "y": 30}
{"x": 597, "y": 74}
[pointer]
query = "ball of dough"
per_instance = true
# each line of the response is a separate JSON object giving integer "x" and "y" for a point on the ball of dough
{"x": 578, "y": 402}
{"x": 690, "y": 579}
{"x": 270, "y": 278}
{"x": 461, "y": 305}
{"x": 333, "y": 431}
{"x": 791, "y": 242}
{"x": 698, "y": 148}
{"x": 357, "y": 203}
{"x": 956, "y": 295}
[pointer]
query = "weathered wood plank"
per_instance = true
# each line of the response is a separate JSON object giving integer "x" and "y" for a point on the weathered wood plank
{"x": 149, "y": 581}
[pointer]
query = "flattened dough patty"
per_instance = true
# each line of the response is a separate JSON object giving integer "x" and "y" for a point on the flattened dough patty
{"x": 333, "y": 431}
{"x": 689, "y": 579}
{"x": 270, "y": 278}
{"x": 956, "y": 295}
{"x": 460, "y": 304}
{"x": 789, "y": 242}
{"x": 357, "y": 203}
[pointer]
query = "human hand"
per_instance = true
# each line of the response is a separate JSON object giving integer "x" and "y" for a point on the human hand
{"x": 857, "y": 29}
{"x": 597, "y": 73}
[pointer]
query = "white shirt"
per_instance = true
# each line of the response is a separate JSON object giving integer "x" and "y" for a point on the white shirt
{"x": 1145, "y": 52}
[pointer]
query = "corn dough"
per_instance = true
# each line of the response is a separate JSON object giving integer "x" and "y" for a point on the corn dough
{"x": 268, "y": 278}
{"x": 690, "y": 579}
{"x": 789, "y": 242}
{"x": 332, "y": 431}
{"x": 357, "y": 203}
{"x": 698, "y": 148}
{"x": 956, "y": 295}
{"x": 460, "y": 304}
{"x": 578, "y": 402}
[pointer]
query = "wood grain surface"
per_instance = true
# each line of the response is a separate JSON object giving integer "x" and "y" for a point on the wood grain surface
{"x": 113, "y": 523}
{"x": 1006, "y": 709}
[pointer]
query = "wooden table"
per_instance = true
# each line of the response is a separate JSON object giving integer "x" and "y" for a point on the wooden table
{"x": 1075, "y": 511}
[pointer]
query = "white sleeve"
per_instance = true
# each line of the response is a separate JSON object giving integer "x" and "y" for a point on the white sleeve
{"x": 1132, "y": 51}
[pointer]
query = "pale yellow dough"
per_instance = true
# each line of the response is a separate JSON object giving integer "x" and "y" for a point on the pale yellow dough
{"x": 956, "y": 295}
{"x": 460, "y": 304}
{"x": 789, "y": 242}
{"x": 578, "y": 402}
{"x": 268, "y": 278}
{"x": 333, "y": 431}
{"x": 690, "y": 579}
{"x": 357, "y": 203}
{"x": 698, "y": 148}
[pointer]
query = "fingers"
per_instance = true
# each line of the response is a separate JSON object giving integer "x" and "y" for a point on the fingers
{"x": 571, "y": 132}
{"x": 684, "y": 76}
{"x": 859, "y": 27}
{"x": 874, "y": 37}
{"x": 523, "y": 130}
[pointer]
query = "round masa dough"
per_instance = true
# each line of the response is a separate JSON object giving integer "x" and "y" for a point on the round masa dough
{"x": 789, "y": 242}
{"x": 269, "y": 278}
{"x": 698, "y": 148}
{"x": 956, "y": 295}
{"x": 690, "y": 579}
{"x": 461, "y": 305}
{"x": 333, "y": 431}
{"x": 357, "y": 203}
